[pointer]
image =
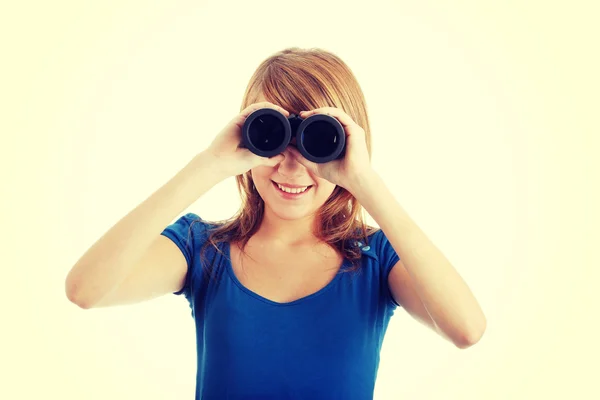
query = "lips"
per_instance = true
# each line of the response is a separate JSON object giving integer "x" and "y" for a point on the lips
{"x": 291, "y": 195}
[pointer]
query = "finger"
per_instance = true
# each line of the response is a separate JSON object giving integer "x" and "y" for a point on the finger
{"x": 255, "y": 160}
{"x": 337, "y": 113}
{"x": 264, "y": 104}
{"x": 271, "y": 161}
{"x": 241, "y": 117}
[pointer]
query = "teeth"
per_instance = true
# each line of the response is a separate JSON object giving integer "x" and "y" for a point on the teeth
{"x": 294, "y": 190}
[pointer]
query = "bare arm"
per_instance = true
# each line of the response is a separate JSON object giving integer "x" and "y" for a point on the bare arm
{"x": 133, "y": 261}
{"x": 133, "y": 248}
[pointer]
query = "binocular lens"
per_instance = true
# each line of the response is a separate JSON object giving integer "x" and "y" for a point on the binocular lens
{"x": 320, "y": 138}
{"x": 266, "y": 132}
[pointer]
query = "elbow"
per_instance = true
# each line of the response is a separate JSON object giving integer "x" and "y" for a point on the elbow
{"x": 74, "y": 295}
{"x": 471, "y": 336}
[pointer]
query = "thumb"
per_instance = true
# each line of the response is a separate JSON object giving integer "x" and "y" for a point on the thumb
{"x": 272, "y": 161}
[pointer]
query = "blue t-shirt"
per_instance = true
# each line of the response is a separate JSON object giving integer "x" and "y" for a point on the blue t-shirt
{"x": 322, "y": 346}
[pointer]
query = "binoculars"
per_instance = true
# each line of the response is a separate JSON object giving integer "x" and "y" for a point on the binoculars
{"x": 319, "y": 138}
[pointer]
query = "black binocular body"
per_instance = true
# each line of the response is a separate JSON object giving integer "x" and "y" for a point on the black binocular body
{"x": 320, "y": 138}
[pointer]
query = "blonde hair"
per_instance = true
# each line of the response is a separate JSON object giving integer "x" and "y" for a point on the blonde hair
{"x": 304, "y": 79}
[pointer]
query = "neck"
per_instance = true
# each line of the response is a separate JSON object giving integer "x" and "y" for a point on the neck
{"x": 287, "y": 232}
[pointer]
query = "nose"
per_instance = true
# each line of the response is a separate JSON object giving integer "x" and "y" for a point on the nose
{"x": 290, "y": 167}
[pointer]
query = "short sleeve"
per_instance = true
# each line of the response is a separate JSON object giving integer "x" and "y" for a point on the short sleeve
{"x": 387, "y": 259}
{"x": 188, "y": 233}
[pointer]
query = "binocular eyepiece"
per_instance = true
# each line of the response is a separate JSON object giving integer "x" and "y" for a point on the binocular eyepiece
{"x": 319, "y": 138}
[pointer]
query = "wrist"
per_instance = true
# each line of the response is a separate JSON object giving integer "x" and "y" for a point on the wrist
{"x": 207, "y": 165}
{"x": 361, "y": 180}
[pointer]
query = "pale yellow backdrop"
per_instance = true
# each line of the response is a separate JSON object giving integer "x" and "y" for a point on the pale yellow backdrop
{"x": 485, "y": 123}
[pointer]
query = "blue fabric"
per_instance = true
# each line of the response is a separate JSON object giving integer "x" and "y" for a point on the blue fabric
{"x": 323, "y": 346}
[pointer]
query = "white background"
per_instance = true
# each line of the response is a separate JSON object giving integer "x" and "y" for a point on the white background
{"x": 484, "y": 119}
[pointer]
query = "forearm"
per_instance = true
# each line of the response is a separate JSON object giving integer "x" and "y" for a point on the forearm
{"x": 443, "y": 292}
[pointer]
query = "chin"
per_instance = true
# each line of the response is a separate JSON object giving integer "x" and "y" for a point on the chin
{"x": 292, "y": 216}
{"x": 288, "y": 213}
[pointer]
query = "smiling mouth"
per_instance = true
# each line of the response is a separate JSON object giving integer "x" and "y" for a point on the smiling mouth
{"x": 294, "y": 191}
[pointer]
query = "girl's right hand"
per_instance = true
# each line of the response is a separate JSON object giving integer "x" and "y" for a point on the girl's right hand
{"x": 233, "y": 160}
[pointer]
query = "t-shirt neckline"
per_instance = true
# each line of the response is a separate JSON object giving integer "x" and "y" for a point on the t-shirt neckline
{"x": 257, "y": 296}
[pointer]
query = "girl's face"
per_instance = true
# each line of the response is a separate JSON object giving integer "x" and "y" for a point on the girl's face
{"x": 288, "y": 206}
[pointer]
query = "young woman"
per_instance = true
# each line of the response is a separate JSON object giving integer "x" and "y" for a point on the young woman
{"x": 293, "y": 295}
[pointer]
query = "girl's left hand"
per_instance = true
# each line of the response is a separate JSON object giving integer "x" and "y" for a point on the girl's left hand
{"x": 344, "y": 171}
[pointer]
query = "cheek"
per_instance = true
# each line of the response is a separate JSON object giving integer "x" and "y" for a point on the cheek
{"x": 324, "y": 189}
{"x": 325, "y": 185}
{"x": 260, "y": 171}
{"x": 260, "y": 175}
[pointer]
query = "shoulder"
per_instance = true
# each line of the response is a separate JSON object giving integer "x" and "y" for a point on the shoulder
{"x": 372, "y": 242}
{"x": 377, "y": 248}
{"x": 188, "y": 230}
